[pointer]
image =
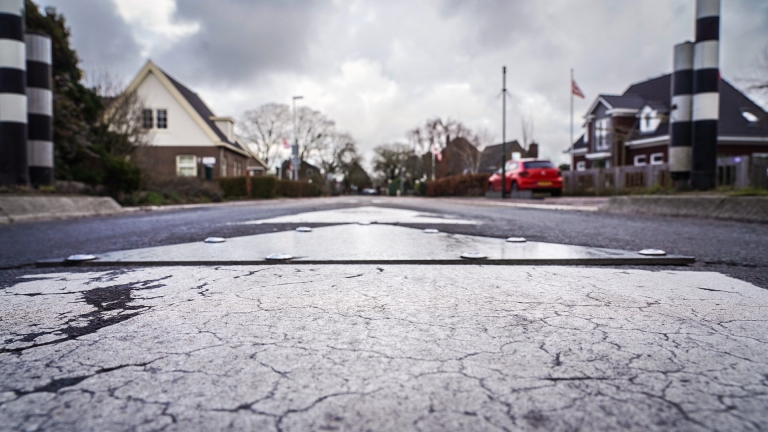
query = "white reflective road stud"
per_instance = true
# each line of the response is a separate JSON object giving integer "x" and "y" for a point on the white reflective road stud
{"x": 652, "y": 252}
{"x": 214, "y": 240}
{"x": 279, "y": 257}
{"x": 304, "y": 229}
{"x": 431, "y": 231}
{"x": 473, "y": 255}
{"x": 516, "y": 240}
{"x": 80, "y": 257}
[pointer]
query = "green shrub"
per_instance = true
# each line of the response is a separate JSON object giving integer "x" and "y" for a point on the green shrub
{"x": 460, "y": 185}
{"x": 155, "y": 198}
{"x": 294, "y": 189}
{"x": 178, "y": 190}
{"x": 264, "y": 187}
{"x": 233, "y": 187}
{"x": 121, "y": 177}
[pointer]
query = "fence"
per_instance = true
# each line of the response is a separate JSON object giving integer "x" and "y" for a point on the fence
{"x": 737, "y": 172}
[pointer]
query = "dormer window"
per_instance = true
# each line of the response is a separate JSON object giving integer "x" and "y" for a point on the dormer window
{"x": 649, "y": 120}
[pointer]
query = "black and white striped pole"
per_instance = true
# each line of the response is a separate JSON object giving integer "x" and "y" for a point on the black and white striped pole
{"x": 13, "y": 95}
{"x": 680, "y": 116}
{"x": 40, "y": 108}
{"x": 706, "y": 94}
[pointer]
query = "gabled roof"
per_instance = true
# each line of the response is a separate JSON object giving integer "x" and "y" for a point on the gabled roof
{"x": 490, "y": 159}
{"x": 656, "y": 105}
{"x": 624, "y": 101}
{"x": 653, "y": 89}
{"x": 578, "y": 145}
{"x": 192, "y": 103}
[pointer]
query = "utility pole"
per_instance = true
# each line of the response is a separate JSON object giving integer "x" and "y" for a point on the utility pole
{"x": 295, "y": 149}
{"x": 504, "y": 132}
{"x": 571, "y": 141}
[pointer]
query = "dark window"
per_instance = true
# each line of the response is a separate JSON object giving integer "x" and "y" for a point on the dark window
{"x": 538, "y": 164}
{"x": 146, "y": 119}
{"x": 162, "y": 119}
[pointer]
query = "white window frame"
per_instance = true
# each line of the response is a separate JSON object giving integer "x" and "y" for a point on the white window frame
{"x": 603, "y": 134}
{"x": 581, "y": 166}
{"x": 157, "y": 118}
{"x": 641, "y": 160}
{"x": 186, "y": 165}
{"x": 660, "y": 160}
{"x": 223, "y": 168}
{"x": 144, "y": 113}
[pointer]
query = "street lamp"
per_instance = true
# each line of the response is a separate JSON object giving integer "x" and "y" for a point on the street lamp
{"x": 295, "y": 148}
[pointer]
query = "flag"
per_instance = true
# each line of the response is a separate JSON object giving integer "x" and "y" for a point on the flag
{"x": 438, "y": 153}
{"x": 575, "y": 90}
{"x": 286, "y": 144}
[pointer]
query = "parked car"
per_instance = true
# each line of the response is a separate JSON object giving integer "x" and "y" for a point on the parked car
{"x": 529, "y": 174}
{"x": 370, "y": 191}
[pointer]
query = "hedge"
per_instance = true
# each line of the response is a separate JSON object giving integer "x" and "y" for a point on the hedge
{"x": 267, "y": 187}
{"x": 459, "y": 185}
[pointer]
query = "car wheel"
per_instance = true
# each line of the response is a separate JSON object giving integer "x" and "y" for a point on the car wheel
{"x": 557, "y": 193}
{"x": 514, "y": 188}
{"x": 490, "y": 187}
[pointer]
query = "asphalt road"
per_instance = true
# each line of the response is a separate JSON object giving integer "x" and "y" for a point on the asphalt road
{"x": 733, "y": 248}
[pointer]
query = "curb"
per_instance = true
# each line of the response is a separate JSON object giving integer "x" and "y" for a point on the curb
{"x": 35, "y": 208}
{"x": 745, "y": 209}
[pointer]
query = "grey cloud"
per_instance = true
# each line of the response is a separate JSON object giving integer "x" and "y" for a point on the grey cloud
{"x": 239, "y": 39}
{"x": 102, "y": 39}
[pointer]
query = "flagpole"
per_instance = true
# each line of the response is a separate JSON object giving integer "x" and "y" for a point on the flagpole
{"x": 571, "y": 143}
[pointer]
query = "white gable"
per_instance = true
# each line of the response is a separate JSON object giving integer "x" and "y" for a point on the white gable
{"x": 182, "y": 129}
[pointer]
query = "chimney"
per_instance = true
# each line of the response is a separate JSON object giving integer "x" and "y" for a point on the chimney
{"x": 706, "y": 95}
{"x": 13, "y": 95}
{"x": 680, "y": 115}
{"x": 40, "y": 108}
{"x": 226, "y": 125}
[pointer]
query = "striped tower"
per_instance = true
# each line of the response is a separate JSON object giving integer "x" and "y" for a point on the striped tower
{"x": 40, "y": 103}
{"x": 680, "y": 115}
{"x": 706, "y": 94}
{"x": 13, "y": 95}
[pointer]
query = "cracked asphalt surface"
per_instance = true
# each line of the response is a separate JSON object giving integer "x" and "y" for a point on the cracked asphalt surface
{"x": 366, "y": 347}
{"x": 383, "y": 348}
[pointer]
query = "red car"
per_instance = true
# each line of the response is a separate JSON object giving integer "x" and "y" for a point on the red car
{"x": 529, "y": 174}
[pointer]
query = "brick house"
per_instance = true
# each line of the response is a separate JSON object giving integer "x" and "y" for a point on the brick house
{"x": 633, "y": 128}
{"x": 186, "y": 139}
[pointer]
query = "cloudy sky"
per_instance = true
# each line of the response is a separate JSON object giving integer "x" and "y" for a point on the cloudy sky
{"x": 379, "y": 68}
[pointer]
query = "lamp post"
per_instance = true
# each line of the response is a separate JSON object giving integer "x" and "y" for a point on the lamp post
{"x": 295, "y": 148}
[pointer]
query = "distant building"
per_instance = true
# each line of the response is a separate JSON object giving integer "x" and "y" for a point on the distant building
{"x": 186, "y": 138}
{"x": 462, "y": 157}
{"x": 490, "y": 160}
{"x": 633, "y": 128}
{"x": 307, "y": 172}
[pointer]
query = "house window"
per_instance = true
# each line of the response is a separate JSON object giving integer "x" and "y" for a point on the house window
{"x": 224, "y": 167}
{"x": 657, "y": 158}
{"x": 581, "y": 166}
{"x": 238, "y": 169}
{"x": 603, "y": 134}
{"x": 640, "y": 160}
{"x": 162, "y": 119}
{"x": 186, "y": 166}
{"x": 146, "y": 119}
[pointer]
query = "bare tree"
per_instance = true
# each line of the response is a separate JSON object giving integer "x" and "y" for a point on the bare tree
{"x": 757, "y": 82}
{"x": 339, "y": 155}
{"x": 471, "y": 155}
{"x": 122, "y": 129}
{"x": 265, "y": 129}
{"x": 391, "y": 159}
{"x": 526, "y": 125}
{"x": 436, "y": 133}
{"x": 314, "y": 131}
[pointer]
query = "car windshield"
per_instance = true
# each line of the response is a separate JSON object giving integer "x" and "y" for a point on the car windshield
{"x": 539, "y": 164}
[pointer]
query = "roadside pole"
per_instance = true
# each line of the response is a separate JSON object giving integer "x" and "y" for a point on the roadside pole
{"x": 295, "y": 149}
{"x": 571, "y": 141}
{"x": 504, "y": 132}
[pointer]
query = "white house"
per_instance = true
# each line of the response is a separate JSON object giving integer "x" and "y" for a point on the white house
{"x": 186, "y": 138}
